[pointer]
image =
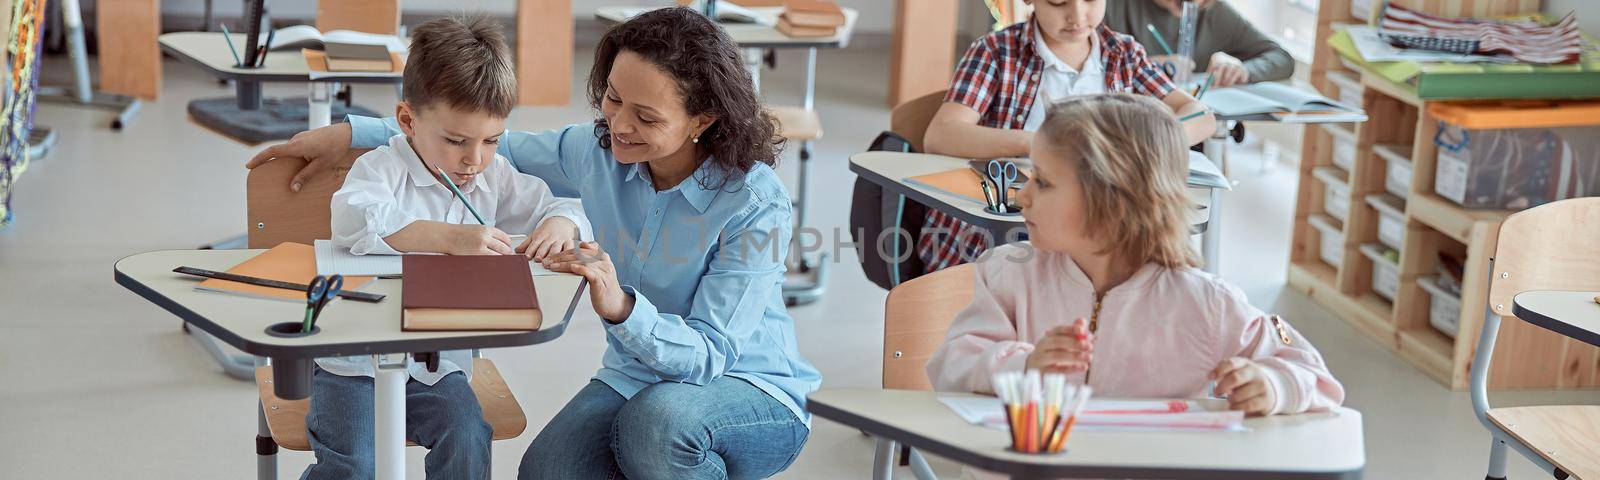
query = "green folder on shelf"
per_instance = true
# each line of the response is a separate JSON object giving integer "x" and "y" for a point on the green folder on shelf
{"x": 1463, "y": 81}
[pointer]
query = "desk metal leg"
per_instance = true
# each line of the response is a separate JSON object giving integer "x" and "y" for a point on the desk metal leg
{"x": 883, "y": 460}
{"x": 1210, "y": 241}
{"x": 920, "y": 467}
{"x": 319, "y": 112}
{"x": 241, "y": 367}
{"x": 266, "y": 448}
{"x": 752, "y": 64}
{"x": 389, "y": 406}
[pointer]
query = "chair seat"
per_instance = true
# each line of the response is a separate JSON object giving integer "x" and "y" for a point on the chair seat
{"x": 798, "y": 124}
{"x": 1567, "y": 436}
{"x": 287, "y": 418}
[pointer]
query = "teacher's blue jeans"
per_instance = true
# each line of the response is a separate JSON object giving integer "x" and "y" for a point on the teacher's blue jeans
{"x": 444, "y": 417}
{"x": 725, "y": 429}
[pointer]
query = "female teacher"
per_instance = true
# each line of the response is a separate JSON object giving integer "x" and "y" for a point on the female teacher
{"x": 701, "y": 376}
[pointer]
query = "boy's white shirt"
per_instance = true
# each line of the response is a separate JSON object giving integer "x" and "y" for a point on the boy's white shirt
{"x": 1057, "y": 81}
{"x": 389, "y": 187}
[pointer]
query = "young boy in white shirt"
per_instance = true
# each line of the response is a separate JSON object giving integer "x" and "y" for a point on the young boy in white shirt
{"x": 459, "y": 88}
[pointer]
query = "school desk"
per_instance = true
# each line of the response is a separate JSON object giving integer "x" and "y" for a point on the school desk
{"x": 800, "y": 124}
{"x": 208, "y": 51}
{"x": 345, "y": 327}
{"x": 890, "y": 170}
{"x": 1325, "y": 445}
{"x": 1575, "y": 315}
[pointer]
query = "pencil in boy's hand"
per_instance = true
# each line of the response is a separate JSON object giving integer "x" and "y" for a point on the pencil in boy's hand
{"x": 450, "y": 182}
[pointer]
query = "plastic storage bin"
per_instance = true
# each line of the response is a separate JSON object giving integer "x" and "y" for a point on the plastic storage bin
{"x": 1391, "y": 219}
{"x": 1397, "y": 175}
{"x": 1350, "y": 88}
{"x": 1385, "y": 273}
{"x": 1509, "y": 157}
{"x": 1335, "y": 192}
{"x": 1332, "y": 241}
{"x": 1344, "y": 153}
{"x": 1444, "y": 308}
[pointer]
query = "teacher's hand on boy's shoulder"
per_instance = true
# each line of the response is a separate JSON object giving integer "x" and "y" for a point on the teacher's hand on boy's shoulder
{"x": 320, "y": 148}
{"x": 1244, "y": 383}
{"x": 594, "y": 264}
{"x": 1064, "y": 349}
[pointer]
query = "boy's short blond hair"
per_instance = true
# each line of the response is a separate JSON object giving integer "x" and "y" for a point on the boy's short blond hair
{"x": 462, "y": 62}
{"x": 1129, "y": 154}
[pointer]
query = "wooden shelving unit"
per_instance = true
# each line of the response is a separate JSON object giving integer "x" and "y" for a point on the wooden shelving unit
{"x": 1400, "y": 129}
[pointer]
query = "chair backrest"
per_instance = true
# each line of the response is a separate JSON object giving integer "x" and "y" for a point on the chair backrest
{"x": 279, "y": 215}
{"x": 915, "y": 318}
{"x": 370, "y": 16}
{"x": 1555, "y": 246}
{"x": 911, "y": 119}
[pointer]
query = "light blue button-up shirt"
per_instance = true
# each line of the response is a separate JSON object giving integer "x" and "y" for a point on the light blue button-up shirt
{"x": 704, "y": 265}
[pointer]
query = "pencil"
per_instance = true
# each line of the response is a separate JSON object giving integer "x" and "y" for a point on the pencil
{"x": 449, "y": 182}
{"x": 262, "y": 60}
{"x": 1188, "y": 117}
{"x": 1205, "y": 87}
{"x": 1159, "y": 39}
{"x": 238, "y": 62}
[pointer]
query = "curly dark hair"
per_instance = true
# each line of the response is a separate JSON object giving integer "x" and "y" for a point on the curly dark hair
{"x": 711, "y": 78}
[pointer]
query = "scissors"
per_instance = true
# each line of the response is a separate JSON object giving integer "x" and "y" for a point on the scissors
{"x": 1169, "y": 68}
{"x": 318, "y": 294}
{"x": 1003, "y": 174}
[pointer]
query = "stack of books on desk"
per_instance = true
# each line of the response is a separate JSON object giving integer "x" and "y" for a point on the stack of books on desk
{"x": 810, "y": 18}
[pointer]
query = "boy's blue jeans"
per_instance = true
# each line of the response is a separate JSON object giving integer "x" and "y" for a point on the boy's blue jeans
{"x": 445, "y": 418}
{"x": 725, "y": 429}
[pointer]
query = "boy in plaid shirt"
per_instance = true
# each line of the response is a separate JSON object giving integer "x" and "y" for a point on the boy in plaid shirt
{"x": 1007, "y": 79}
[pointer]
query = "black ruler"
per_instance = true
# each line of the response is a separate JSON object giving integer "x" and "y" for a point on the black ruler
{"x": 267, "y": 282}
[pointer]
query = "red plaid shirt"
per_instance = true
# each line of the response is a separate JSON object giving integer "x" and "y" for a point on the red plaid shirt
{"x": 999, "y": 78}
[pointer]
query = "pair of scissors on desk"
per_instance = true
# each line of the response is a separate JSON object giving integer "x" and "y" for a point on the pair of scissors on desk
{"x": 319, "y": 292}
{"x": 1003, "y": 174}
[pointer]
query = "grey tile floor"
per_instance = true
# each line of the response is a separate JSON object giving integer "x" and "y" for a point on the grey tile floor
{"x": 101, "y": 384}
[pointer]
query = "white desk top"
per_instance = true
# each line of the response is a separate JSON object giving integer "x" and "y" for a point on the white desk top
{"x": 754, "y": 35}
{"x": 207, "y": 50}
{"x": 898, "y": 166}
{"x": 347, "y": 327}
{"x": 1574, "y": 314}
{"x": 1313, "y": 445}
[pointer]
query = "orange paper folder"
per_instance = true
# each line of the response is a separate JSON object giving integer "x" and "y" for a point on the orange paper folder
{"x": 961, "y": 182}
{"x": 288, "y": 262}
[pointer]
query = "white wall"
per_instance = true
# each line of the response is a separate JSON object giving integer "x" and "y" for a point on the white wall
{"x": 1588, "y": 12}
{"x": 877, "y": 16}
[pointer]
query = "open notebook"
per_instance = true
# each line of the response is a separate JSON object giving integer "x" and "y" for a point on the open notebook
{"x": 332, "y": 259}
{"x": 1284, "y": 103}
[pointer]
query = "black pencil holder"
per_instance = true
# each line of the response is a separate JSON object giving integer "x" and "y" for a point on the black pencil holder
{"x": 1011, "y": 211}
{"x": 291, "y": 378}
{"x": 291, "y": 330}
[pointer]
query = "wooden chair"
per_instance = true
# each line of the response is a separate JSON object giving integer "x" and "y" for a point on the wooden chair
{"x": 278, "y": 215}
{"x": 370, "y": 16}
{"x": 1550, "y": 247}
{"x": 911, "y": 119}
{"x": 874, "y": 212}
{"x": 915, "y": 318}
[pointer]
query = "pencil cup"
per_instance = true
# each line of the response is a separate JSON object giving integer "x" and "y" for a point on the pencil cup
{"x": 291, "y": 378}
{"x": 291, "y": 330}
{"x": 1040, "y": 409}
{"x": 1011, "y": 210}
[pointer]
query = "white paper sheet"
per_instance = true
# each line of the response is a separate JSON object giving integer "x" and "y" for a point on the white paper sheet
{"x": 335, "y": 260}
{"x": 1115, "y": 415}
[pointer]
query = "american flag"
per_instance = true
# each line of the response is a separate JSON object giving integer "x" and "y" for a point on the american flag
{"x": 1525, "y": 41}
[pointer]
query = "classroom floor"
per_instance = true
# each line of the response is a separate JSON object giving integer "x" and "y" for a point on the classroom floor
{"x": 101, "y": 383}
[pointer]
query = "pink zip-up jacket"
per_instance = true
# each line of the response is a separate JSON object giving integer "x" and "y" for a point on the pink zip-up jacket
{"x": 1159, "y": 333}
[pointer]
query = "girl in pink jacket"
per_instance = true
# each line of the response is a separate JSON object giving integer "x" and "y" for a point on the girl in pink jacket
{"x": 1107, "y": 290}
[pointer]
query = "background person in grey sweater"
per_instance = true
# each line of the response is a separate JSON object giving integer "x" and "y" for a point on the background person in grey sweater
{"x": 1225, "y": 44}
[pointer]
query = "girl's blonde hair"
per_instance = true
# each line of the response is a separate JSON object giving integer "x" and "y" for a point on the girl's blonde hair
{"x": 1133, "y": 166}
